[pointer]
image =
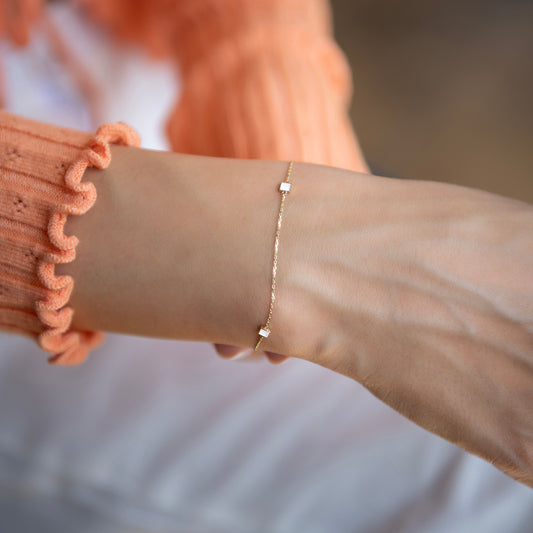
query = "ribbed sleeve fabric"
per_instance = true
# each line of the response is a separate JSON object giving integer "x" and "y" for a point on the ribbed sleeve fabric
{"x": 261, "y": 78}
{"x": 41, "y": 172}
{"x": 258, "y": 97}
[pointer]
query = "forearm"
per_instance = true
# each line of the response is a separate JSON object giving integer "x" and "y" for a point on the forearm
{"x": 176, "y": 246}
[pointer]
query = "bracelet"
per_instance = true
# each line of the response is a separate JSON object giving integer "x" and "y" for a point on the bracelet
{"x": 285, "y": 187}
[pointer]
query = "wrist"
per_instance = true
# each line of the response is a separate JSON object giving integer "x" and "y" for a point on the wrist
{"x": 176, "y": 246}
{"x": 322, "y": 215}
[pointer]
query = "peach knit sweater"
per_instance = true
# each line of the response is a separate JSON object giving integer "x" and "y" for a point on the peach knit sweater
{"x": 261, "y": 79}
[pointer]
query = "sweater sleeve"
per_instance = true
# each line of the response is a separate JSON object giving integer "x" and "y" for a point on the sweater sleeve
{"x": 41, "y": 171}
{"x": 261, "y": 79}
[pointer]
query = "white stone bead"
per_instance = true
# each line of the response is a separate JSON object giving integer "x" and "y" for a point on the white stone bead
{"x": 285, "y": 186}
{"x": 264, "y": 332}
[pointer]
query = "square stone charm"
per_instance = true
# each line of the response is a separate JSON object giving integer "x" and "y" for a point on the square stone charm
{"x": 285, "y": 186}
{"x": 264, "y": 332}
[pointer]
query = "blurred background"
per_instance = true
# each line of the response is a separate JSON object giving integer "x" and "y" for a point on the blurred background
{"x": 443, "y": 90}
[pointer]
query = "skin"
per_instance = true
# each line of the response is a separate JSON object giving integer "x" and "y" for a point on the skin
{"x": 421, "y": 291}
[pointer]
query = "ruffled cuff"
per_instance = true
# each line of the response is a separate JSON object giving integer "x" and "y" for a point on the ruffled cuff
{"x": 41, "y": 168}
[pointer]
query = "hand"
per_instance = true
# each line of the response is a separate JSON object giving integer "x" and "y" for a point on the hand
{"x": 423, "y": 293}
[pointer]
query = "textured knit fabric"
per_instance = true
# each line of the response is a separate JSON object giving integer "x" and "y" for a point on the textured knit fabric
{"x": 261, "y": 78}
{"x": 41, "y": 167}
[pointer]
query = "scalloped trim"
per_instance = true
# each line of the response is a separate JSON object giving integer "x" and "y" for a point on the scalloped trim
{"x": 71, "y": 347}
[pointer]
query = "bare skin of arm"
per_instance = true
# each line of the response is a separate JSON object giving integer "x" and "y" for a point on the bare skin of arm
{"x": 421, "y": 291}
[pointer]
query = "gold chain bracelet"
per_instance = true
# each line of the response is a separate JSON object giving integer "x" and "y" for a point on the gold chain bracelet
{"x": 285, "y": 187}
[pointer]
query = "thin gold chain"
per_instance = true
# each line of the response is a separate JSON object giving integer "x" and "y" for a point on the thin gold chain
{"x": 285, "y": 187}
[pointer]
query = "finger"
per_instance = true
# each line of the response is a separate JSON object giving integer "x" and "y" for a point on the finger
{"x": 227, "y": 351}
{"x": 276, "y": 358}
